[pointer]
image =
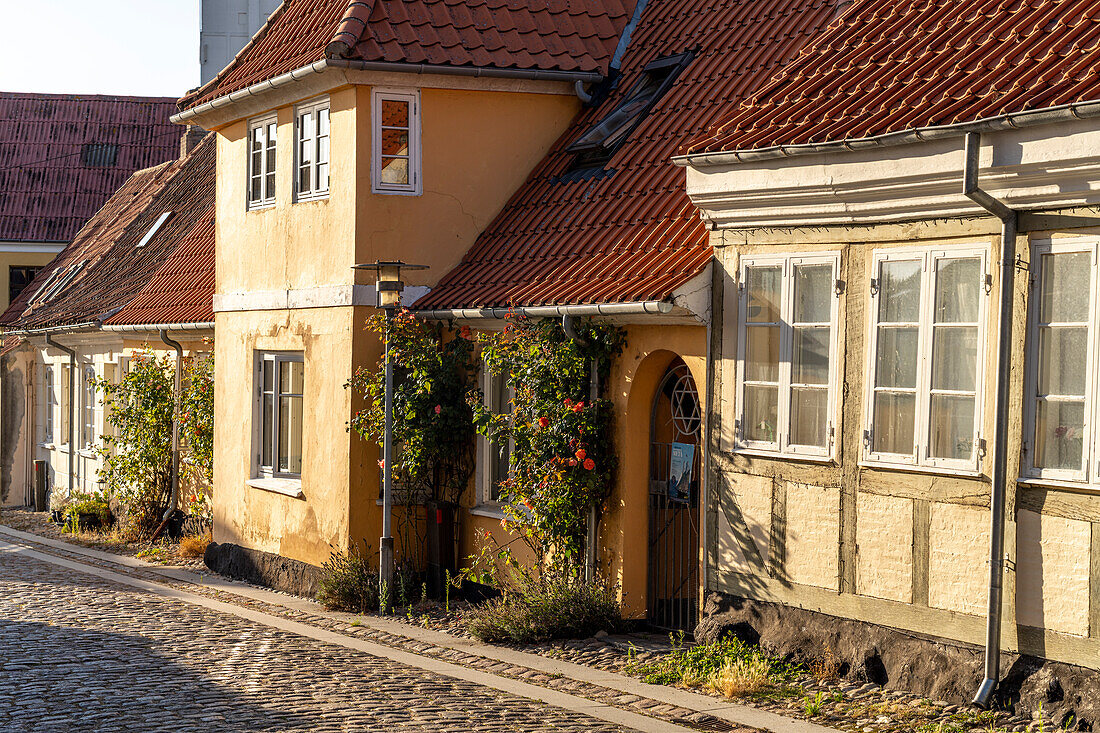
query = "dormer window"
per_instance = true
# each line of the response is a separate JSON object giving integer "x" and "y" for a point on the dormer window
{"x": 595, "y": 148}
{"x": 311, "y": 135}
{"x": 395, "y": 155}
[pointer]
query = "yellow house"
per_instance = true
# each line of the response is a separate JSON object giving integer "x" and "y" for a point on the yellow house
{"x": 903, "y": 371}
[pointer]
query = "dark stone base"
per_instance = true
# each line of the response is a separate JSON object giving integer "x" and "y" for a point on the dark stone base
{"x": 924, "y": 665}
{"x": 263, "y": 568}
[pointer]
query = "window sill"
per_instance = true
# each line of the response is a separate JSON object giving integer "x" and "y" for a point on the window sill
{"x": 291, "y": 487}
{"x": 47, "y": 446}
{"x": 396, "y": 191}
{"x": 85, "y": 453}
{"x": 933, "y": 470}
{"x": 304, "y": 197}
{"x": 261, "y": 206}
{"x": 492, "y": 511}
{"x": 801, "y": 457}
{"x": 1056, "y": 483}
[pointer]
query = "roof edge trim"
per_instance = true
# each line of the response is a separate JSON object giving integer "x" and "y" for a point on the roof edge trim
{"x": 151, "y": 327}
{"x": 1011, "y": 120}
{"x": 318, "y": 67}
{"x": 662, "y": 307}
{"x": 69, "y": 327}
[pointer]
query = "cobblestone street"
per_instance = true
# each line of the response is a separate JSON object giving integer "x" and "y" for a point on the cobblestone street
{"x": 78, "y": 653}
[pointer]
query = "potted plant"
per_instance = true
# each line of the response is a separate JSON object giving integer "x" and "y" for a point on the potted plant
{"x": 88, "y": 512}
{"x": 58, "y": 504}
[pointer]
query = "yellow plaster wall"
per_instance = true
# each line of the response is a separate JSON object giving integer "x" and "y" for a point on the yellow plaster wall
{"x": 1052, "y": 573}
{"x": 18, "y": 259}
{"x": 884, "y": 547}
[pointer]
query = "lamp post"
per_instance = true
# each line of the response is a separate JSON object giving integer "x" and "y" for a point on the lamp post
{"x": 388, "y": 288}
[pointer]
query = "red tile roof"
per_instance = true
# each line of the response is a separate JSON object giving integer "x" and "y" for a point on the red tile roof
{"x": 632, "y": 235}
{"x": 52, "y": 177}
{"x": 565, "y": 35}
{"x": 116, "y": 270}
{"x": 891, "y": 66}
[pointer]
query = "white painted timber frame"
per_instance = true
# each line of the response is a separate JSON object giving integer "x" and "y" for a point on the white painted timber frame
{"x": 262, "y": 127}
{"x": 414, "y": 186}
{"x": 321, "y": 150}
{"x": 1088, "y": 475}
{"x": 485, "y": 459}
{"x": 782, "y": 446}
{"x": 919, "y": 459}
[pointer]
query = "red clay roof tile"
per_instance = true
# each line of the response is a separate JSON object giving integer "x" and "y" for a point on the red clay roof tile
{"x": 632, "y": 235}
{"x": 891, "y": 66}
{"x": 51, "y": 181}
{"x": 573, "y": 35}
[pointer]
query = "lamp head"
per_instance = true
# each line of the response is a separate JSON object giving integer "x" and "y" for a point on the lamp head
{"x": 388, "y": 285}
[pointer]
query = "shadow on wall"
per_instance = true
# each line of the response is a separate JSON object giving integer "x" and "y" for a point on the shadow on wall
{"x": 12, "y": 408}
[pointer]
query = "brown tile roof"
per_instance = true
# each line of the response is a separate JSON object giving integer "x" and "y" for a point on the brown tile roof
{"x": 63, "y": 155}
{"x": 632, "y": 235}
{"x": 892, "y": 66}
{"x": 565, "y": 35}
{"x": 116, "y": 270}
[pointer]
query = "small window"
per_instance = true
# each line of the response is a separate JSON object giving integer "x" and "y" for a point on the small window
{"x": 19, "y": 277}
{"x": 596, "y": 147}
{"x": 395, "y": 160}
{"x": 261, "y": 162}
{"x": 787, "y": 341}
{"x": 50, "y": 389}
{"x": 311, "y": 135}
{"x": 66, "y": 400}
{"x": 498, "y": 456}
{"x": 87, "y": 426}
{"x": 926, "y": 358}
{"x": 99, "y": 155}
{"x": 154, "y": 229}
{"x": 280, "y": 389}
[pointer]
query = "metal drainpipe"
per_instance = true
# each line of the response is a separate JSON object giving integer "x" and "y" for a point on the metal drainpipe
{"x": 72, "y": 403}
{"x": 177, "y": 385}
{"x": 997, "y": 499}
{"x": 568, "y": 324}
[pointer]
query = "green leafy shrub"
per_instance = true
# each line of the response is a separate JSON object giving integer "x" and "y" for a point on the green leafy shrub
{"x": 348, "y": 583}
{"x": 196, "y": 416}
{"x": 84, "y": 504}
{"x": 555, "y": 608}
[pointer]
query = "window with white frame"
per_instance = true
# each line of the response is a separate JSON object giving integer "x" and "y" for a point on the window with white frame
{"x": 786, "y": 367}
{"x": 262, "y": 134}
{"x": 497, "y": 455}
{"x": 50, "y": 389}
{"x": 87, "y": 422}
{"x": 279, "y": 391}
{"x": 1059, "y": 442}
{"x": 66, "y": 401}
{"x": 927, "y": 317}
{"x": 311, "y": 138}
{"x": 395, "y": 159}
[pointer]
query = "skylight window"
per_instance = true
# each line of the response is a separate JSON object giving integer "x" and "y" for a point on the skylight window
{"x": 596, "y": 146}
{"x": 48, "y": 291}
{"x": 99, "y": 155}
{"x": 154, "y": 229}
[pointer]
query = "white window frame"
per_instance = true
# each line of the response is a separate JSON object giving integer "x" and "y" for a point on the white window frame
{"x": 49, "y": 387}
{"x": 87, "y": 413}
{"x": 919, "y": 459}
{"x": 782, "y": 446}
{"x": 261, "y": 125}
{"x": 66, "y": 401}
{"x": 489, "y": 383}
{"x": 415, "y": 185}
{"x": 1089, "y": 473}
{"x": 315, "y": 191}
{"x": 259, "y": 470}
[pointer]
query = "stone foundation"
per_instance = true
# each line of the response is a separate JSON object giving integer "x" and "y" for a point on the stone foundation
{"x": 924, "y": 665}
{"x": 262, "y": 568}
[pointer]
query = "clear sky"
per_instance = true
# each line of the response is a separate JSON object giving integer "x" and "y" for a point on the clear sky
{"x": 134, "y": 47}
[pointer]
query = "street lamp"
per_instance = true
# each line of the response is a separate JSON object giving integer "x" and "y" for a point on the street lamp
{"x": 388, "y": 287}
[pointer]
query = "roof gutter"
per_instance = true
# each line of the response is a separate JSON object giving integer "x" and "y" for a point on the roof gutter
{"x": 69, "y": 328}
{"x": 1011, "y": 121}
{"x": 157, "y": 327}
{"x": 319, "y": 67}
{"x": 661, "y": 307}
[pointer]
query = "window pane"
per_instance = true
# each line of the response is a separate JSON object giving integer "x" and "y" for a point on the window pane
{"x": 813, "y": 293}
{"x": 291, "y": 377}
{"x": 395, "y": 171}
{"x": 290, "y": 434}
{"x": 809, "y": 416}
{"x": 267, "y": 418}
{"x": 1065, "y": 287}
{"x": 899, "y": 291}
{"x": 954, "y": 358}
{"x": 255, "y": 191}
{"x": 951, "y": 427}
{"x": 762, "y": 353}
{"x": 269, "y": 375}
{"x": 761, "y": 413}
{"x": 395, "y": 113}
{"x": 1059, "y": 432}
{"x": 395, "y": 142}
{"x": 894, "y": 423}
{"x": 896, "y": 363}
{"x": 305, "y": 126}
{"x": 810, "y": 362}
{"x": 322, "y": 121}
{"x": 323, "y": 150}
{"x": 1062, "y": 360}
{"x": 958, "y": 290}
{"x": 763, "y": 286}
{"x": 304, "y": 178}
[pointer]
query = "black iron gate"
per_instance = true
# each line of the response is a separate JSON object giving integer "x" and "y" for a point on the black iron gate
{"x": 674, "y": 470}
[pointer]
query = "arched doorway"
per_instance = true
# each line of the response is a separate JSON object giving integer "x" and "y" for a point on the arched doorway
{"x": 674, "y": 471}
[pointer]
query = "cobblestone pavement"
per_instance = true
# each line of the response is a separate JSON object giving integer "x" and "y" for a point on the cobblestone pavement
{"x": 78, "y": 653}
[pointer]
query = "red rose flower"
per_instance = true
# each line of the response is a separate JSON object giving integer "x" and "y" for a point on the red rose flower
{"x": 590, "y": 464}
{"x": 578, "y": 407}
{"x": 438, "y": 409}
{"x": 572, "y": 461}
{"x": 581, "y": 454}
{"x": 544, "y": 422}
